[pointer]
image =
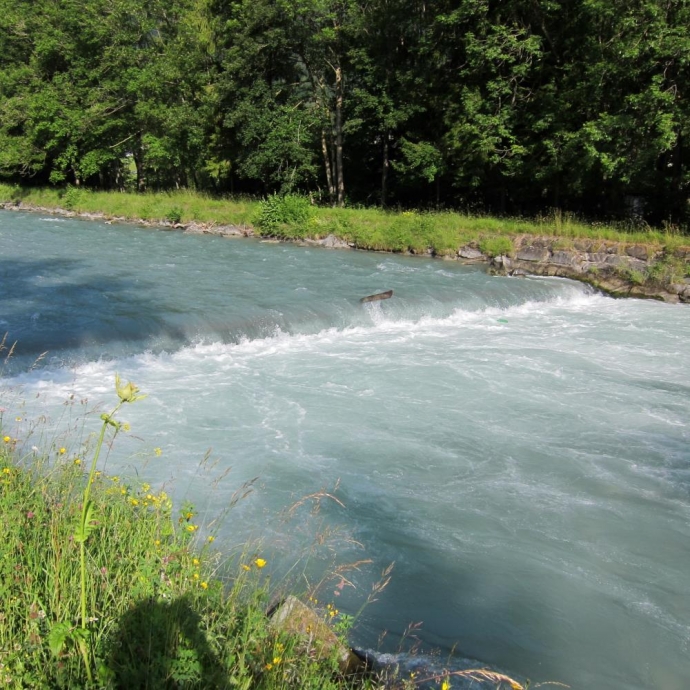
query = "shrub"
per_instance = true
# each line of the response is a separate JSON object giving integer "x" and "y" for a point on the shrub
{"x": 71, "y": 197}
{"x": 286, "y": 215}
{"x": 174, "y": 215}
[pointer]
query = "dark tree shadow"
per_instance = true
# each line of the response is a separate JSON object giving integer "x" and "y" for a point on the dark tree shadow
{"x": 162, "y": 645}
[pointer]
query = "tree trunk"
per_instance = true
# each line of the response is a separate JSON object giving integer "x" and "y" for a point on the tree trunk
{"x": 327, "y": 165}
{"x": 384, "y": 170}
{"x": 340, "y": 180}
{"x": 139, "y": 163}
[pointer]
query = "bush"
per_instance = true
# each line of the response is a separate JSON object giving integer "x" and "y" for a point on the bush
{"x": 174, "y": 215}
{"x": 71, "y": 197}
{"x": 286, "y": 215}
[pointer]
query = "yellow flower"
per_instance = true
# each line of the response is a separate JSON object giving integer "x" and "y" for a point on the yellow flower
{"x": 158, "y": 452}
{"x": 157, "y": 542}
{"x": 245, "y": 567}
{"x": 6, "y": 470}
{"x": 195, "y": 561}
{"x": 128, "y": 392}
{"x": 123, "y": 491}
{"x": 259, "y": 563}
{"x": 6, "y": 439}
{"x": 145, "y": 487}
{"x": 277, "y": 660}
{"x": 203, "y": 585}
{"x": 269, "y": 667}
{"x": 211, "y": 539}
{"x": 126, "y": 426}
{"x": 77, "y": 461}
{"x": 192, "y": 528}
{"x": 445, "y": 685}
{"x": 196, "y": 576}
{"x": 62, "y": 451}
{"x": 17, "y": 419}
{"x": 134, "y": 501}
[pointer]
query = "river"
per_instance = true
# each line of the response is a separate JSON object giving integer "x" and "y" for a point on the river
{"x": 518, "y": 447}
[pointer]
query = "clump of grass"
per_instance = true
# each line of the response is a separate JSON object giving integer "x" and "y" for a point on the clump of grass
{"x": 496, "y": 246}
{"x": 104, "y": 586}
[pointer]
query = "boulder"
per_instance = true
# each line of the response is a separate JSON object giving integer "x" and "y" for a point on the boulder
{"x": 470, "y": 253}
{"x": 296, "y": 618}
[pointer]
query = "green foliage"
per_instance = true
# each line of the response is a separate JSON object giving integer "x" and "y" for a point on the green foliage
{"x": 71, "y": 197}
{"x": 174, "y": 215}
{"x": 162, "y": 611}
{"x": 286, "y": 215}
{"x": 496, "y": 246}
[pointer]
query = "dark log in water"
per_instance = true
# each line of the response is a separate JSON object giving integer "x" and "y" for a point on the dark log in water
{"x": 378, "y": 296}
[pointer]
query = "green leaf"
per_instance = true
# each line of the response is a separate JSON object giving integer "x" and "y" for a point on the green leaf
{"x": 85, "y": 528}
{"x": 57, "y": 637}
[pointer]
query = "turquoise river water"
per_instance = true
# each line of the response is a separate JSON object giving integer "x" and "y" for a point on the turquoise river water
{"x": 518, "y": 447}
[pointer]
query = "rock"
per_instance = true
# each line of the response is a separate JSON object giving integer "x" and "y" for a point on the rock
{"x": 333, "y": 242}
{"x": 638, "y": 251}
{"x": 532, "y": 253}
{"x": 295, "y": 618}
{"x": 470, "y": 253}
{"x": 563, "y": 258}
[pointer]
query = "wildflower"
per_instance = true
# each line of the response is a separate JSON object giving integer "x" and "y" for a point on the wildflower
{"x": 125, "y": 426}
{"x": 196, "y": 576}
{"x": 128, "y": 392}
{"x": 123, "y": 491}
{"x": 195, "y": 561}
{"x": 259, "y": 563}
{"x": 157, "y": 542}
{"x": 6, "y": 470}
{"x": 62, "y": 451}
{"x": 6, "y": 439}
{"x": 145, "y": 487}
{"x": 115, "y": 479}
{"x": 277, "y": 660}
{"x": 192, "y": 528}
{"x": 17, "y": 419}
{"x": 77, "y": 461}
{"x": 30, "y": 514}
{"x": 203, "y": 585}
{"x": 245, "y": 567}
{"x": 269, "y": 667}
{"x": 158, "y": 452}
{"x": 189, "y": 516}
{"x": 134, "y": 501}
{"x": 445, "y": 685}
{"x": 211, "y": 539}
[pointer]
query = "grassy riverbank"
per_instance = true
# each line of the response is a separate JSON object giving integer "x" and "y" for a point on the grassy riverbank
{"x": 371, "y": 228}
{"x": 104, "y": 584}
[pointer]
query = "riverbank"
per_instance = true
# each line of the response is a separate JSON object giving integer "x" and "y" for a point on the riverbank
{"x": 644, "y": 264}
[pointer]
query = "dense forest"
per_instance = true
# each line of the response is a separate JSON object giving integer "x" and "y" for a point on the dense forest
{"x": 511, "y": 106}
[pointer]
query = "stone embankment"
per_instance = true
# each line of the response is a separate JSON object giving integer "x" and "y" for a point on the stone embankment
{"x": 619, "y": 269}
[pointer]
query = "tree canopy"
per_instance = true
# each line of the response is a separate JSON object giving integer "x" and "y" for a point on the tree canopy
{"x": 511, "y": 106}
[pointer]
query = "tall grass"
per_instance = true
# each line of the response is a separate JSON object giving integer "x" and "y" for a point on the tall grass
{"x": 103, "y": 585}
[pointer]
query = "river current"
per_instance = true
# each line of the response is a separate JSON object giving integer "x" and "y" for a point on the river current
{"x": 518, "y": 447}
